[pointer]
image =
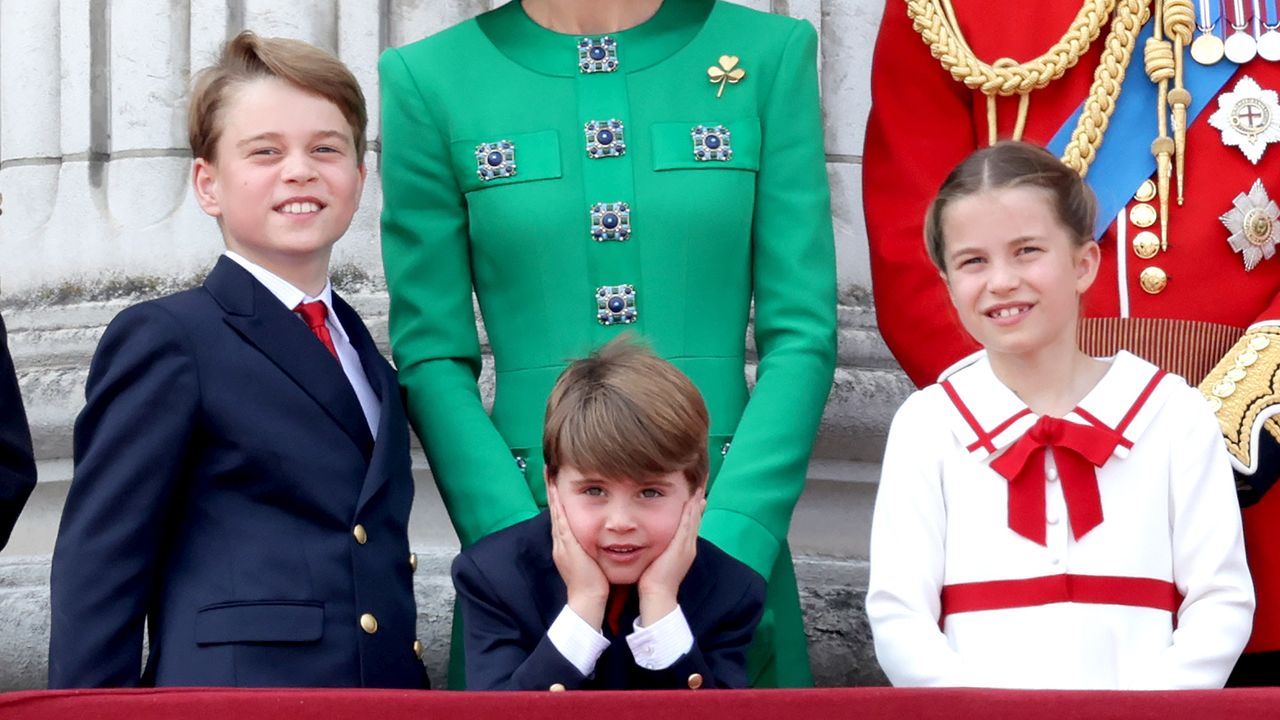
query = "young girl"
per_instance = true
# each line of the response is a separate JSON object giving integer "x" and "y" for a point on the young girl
{"x": 1046, "y": 519}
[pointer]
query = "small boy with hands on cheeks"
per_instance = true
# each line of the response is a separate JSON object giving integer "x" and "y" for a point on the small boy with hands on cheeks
{"x": 611, "y": 587}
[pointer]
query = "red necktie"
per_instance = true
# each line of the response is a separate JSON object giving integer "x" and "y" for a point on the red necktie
{"x": 315, "y": 313}
{"x": 1078, "y": 451}
{"x": 618, "y": 596}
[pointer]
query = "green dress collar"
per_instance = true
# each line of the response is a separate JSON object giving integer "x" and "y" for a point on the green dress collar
{"x": 548, "y": 52}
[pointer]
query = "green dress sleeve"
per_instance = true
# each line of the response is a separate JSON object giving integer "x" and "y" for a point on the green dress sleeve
{"x": 763, "y": 474}
{"x": 432, "y": 322}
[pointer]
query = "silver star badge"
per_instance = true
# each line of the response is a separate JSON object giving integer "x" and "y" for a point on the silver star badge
{"x": 1253, "y": 226}
{"x": 1249, "y": 118}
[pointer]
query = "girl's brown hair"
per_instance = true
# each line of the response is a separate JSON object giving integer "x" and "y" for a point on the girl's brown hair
{"x": 625, "y": 413}
{"x": 1011, "y": 164}
{"x": 248, "y": 57}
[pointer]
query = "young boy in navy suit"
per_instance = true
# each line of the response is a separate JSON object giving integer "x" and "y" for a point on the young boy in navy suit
{"x": 611, "y": 587}
{"x": 242, "y": 481}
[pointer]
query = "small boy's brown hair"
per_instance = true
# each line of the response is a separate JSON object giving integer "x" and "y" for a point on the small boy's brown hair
{"x": 624, "y": 413}
{"x": 248, "y": 57}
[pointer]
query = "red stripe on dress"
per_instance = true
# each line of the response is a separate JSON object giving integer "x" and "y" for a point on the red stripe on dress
{"x": 1142, "y": 400}
{"x": 1012, "y": 419}
{"x": 984, "y": 440}
{"x": 1050, "y": 589}
{"x": 1133, "y": 409}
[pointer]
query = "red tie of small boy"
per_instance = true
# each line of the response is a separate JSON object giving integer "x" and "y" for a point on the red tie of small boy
{"x": 314, "y": 314}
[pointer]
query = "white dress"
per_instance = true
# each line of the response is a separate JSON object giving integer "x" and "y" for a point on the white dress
{"x": 1158, "y": 595}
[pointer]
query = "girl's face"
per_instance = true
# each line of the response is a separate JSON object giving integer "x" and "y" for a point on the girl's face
{"x": 1014, "y": 272}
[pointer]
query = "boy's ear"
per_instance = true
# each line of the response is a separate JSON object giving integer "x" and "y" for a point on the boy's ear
{"x": 204, "y": 179}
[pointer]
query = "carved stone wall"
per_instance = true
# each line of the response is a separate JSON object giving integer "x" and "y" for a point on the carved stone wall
{"x": 97, "y": 214}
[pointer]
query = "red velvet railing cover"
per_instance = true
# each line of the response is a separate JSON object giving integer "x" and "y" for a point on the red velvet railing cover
{"x": 853, "y": 703}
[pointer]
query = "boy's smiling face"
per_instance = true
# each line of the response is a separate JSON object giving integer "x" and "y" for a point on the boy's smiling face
{"x": 285, "y": 181}
{"x": 623, "y": 524}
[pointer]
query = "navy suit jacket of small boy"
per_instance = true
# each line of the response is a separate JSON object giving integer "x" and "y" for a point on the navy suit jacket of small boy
{"x": 17, "y": 465}
{"x": 510, "y": 592}
{"x": 223, "y": 464}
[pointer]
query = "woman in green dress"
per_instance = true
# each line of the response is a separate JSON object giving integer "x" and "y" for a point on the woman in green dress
{"x": 592, "y": 168}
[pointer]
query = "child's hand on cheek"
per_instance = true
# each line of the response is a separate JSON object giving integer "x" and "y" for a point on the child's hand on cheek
{"x": 588, "y": 589}
{"x": 660, "y": 582}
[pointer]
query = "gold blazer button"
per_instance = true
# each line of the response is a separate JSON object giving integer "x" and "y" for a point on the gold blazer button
{"x": 1153, "y": 280}
{"x": 369, "y": 623}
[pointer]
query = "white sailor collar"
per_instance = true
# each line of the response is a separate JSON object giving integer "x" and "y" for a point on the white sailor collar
{"x": 986, "y": 416}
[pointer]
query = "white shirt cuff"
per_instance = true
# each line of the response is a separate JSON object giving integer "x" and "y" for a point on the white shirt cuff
{"x": 660, "y": 645}
{"x": 579, "y": 643}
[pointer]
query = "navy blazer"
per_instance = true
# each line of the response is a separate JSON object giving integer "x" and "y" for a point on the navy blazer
{"x": 223, "y": 465}
{"x": 17, "y": 463}
{"x": 509, "y": 592}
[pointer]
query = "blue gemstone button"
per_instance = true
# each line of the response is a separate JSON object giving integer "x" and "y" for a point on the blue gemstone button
{"x": 616, "y": 305}
{"x": 605, "y": 138}
{"x": 496, "y": 160}
{"x": 597, "y": 55}
{"x": 610, "y": 221}
{"x": 711, "y": 143}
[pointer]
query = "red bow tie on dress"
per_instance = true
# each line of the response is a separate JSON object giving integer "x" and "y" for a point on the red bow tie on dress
{"x": 1078, "y": 450}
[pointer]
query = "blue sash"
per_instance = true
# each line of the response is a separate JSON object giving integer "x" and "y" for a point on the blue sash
{"x": 1124, "y": 160}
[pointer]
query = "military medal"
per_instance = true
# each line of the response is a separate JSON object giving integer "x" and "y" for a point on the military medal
{"x": 1206, "y": 49}
{"x": 1240, "y": 46}
{"x": 1252, "y": 223}
{"x": 1269, "y": 41}
{"x": 1249, "y": 118}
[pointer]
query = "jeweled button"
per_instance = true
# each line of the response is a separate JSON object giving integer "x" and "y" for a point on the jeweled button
{"x": 494, "y": 159}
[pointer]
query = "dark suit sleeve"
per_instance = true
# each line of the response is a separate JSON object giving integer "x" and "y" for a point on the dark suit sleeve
{"x": 131, "y": 444}
{"x": 500, "y": 655}
{"x": 17, "y": 463}
{"x": 719, "y": 653}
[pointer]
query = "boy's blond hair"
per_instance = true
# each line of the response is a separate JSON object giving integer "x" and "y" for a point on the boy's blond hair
{"x": 248, "y": 57}
{"x": 624, "y": 413}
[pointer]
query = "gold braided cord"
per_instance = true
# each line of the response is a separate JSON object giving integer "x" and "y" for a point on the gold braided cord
{"x": 1118, "y": 49}
{"x": 935, "y": 21}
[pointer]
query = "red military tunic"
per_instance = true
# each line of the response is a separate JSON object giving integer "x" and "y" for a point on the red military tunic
{"x": 923, "y": 122}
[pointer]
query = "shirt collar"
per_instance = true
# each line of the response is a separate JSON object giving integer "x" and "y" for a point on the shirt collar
{"x": 286, "y": 293}
{"x": 1126, "y": 399}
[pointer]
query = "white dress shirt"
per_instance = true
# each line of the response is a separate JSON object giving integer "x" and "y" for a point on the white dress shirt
{"x": 656, "y": 647}
{"x": 350, "y": 359}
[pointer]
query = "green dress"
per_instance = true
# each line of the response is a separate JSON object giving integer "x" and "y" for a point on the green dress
{"x": 583, "y": 187}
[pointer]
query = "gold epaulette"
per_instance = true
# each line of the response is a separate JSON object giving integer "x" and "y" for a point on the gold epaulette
{"x": 1243, "y": 386}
